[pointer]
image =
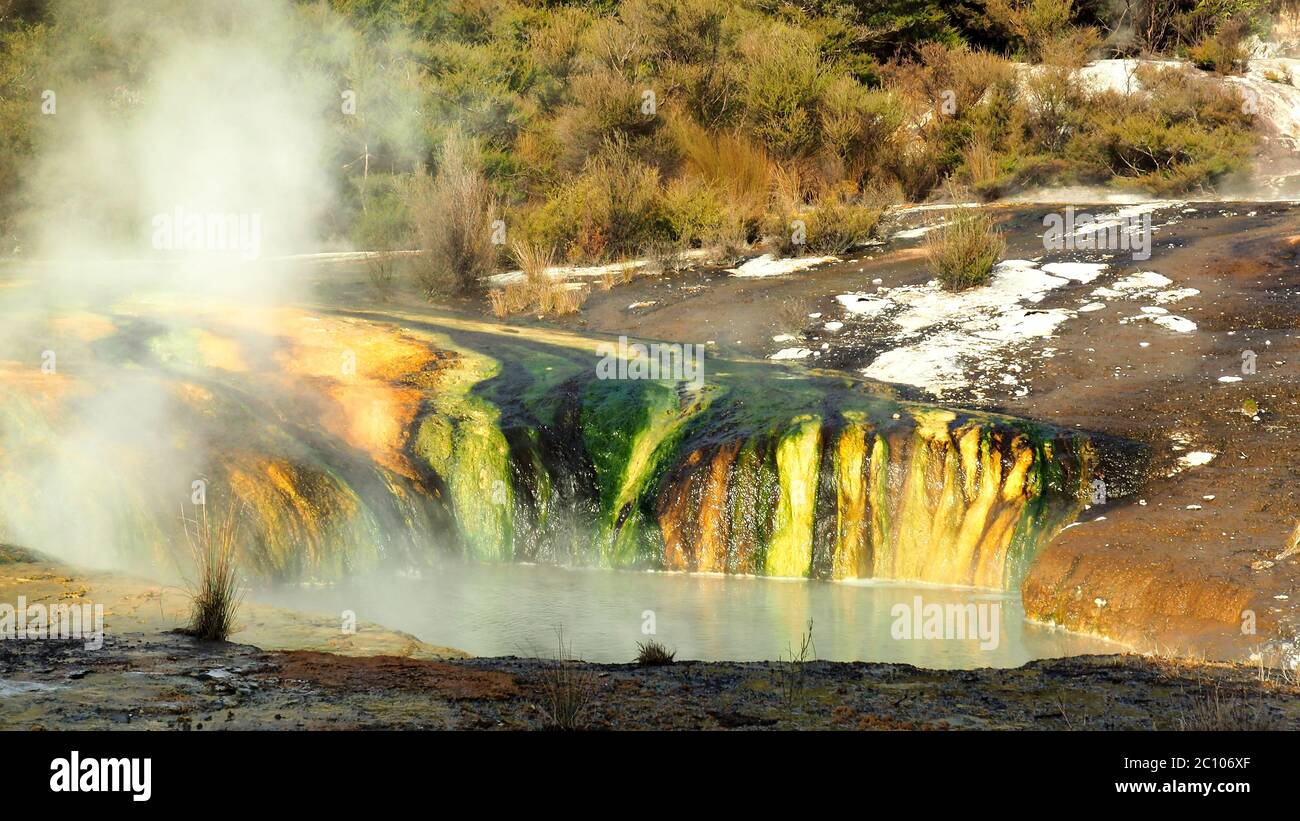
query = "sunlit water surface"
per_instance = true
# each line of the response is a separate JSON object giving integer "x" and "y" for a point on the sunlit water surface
{"x": 512, "y": 609}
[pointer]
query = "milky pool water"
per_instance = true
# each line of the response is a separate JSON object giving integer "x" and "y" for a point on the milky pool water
{"x": 510, "y": 609}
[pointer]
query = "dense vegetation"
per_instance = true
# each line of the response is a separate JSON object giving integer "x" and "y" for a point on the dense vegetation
{"x": 600, "y": 128}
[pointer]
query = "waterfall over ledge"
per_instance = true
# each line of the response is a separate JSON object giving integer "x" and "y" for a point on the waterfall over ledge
{"x": 349, "y": 441}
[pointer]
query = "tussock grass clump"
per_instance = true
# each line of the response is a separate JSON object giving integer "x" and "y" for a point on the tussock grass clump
{"x": 544, "y": 296}
{"x": 963, "y": 251}
{"x": 837, "y": 224}
{"x": 497, "y": 301}
{"x": 805, "y": 217}
{"x": 567, "y": 689}
{"x": 562, "y": 298}
{"x": 534, "y": 259}
{"x": 216, "y": 593}
{"x": 737, "y": 168}
{"x": 654, "y": 654}
{"x": 452, "y": 213}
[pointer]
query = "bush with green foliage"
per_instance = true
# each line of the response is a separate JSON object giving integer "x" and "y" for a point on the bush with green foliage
{"x": 602, "y": 127}
{"x": 963, "y": 250}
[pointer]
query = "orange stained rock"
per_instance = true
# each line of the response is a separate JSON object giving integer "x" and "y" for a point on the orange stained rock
{"x": 711, "y": 556}
{"x": 46, "y": 390}
{"x": 220, "y": 352}
{"x": 84, "y": 326}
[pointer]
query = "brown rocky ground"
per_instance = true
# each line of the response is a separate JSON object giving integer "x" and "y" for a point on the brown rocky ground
{"x": 169, "y": 681}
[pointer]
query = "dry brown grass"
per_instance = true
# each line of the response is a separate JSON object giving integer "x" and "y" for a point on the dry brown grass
{"x": 1292, "y": 544}
{"x": 518, "y": 296}
{"x": 981, "y": 164}
{"x": 564, "y": 298}
{"x": 1212, "y": 711}
{"x": 534, "y": 260}
{"x": 567, "y": 689}
{"x": 497, "y": 301}
{"x": 738, "y": 167}
{"x": 543, "y": 296}
{"x": 452, "y": 213}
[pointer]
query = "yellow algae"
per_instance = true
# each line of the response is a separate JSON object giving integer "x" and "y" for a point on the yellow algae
{"x": 878, "y": 493}
{"x": 798, "y": 457}
{"x": 191, "y": 393}
{"x": 375, "y": 418}
{"x": 851, "y": 559}
{"x": 350, "y": 350}
{"x": 37, "y": 386}
{"x": 970, "y": 536}
{"x": 298, "y": 513}
{"x": 911, "y": 519}
{"x": 968, "y": 439}
{"x": 1013, "y": 488}
{"x": 991, "y": 569}
{"x": 220, "y": 352}
{"x": 941, "y": 563}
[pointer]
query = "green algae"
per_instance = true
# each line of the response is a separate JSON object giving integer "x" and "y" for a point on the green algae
{"x": 524, "y": 454}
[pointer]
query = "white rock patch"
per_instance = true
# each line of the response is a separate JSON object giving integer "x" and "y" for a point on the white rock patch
{"x": 944, "y": 334}
{"x": 1084, "y": 272}
{"x": 770, "y": 266}
{"x": 792, "y": 353}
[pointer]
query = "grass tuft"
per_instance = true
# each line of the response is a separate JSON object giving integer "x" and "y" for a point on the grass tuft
{"x": 567, "y": 689}
{"x": 1211, "y": 711}
{"x": 654, "y": 654}
{"x": 963, "y": 251}
{"x": 216, "y": 594}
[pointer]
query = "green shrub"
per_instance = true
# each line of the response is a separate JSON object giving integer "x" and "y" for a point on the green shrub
{"x": 782, "y": 76}
{"x": 607, "y": 107}
{"x": 609, "y": 210}
{"x": 963, "y": 251}
{"x": 861, "y": 128}
{"x": 1219, "y": 54}
{"x": 693, "y": 211}
{"x": 385, "y": 220}
{"x": 837, "y": 224}
{"x": 833, "y": 224}
{"x": 1182, "y": 133}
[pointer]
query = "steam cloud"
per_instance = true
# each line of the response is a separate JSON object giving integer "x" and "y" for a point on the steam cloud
{"x": 223, "y": 121}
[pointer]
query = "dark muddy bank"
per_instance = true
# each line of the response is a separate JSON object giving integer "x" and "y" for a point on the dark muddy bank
{"x": 166, "y": 681}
